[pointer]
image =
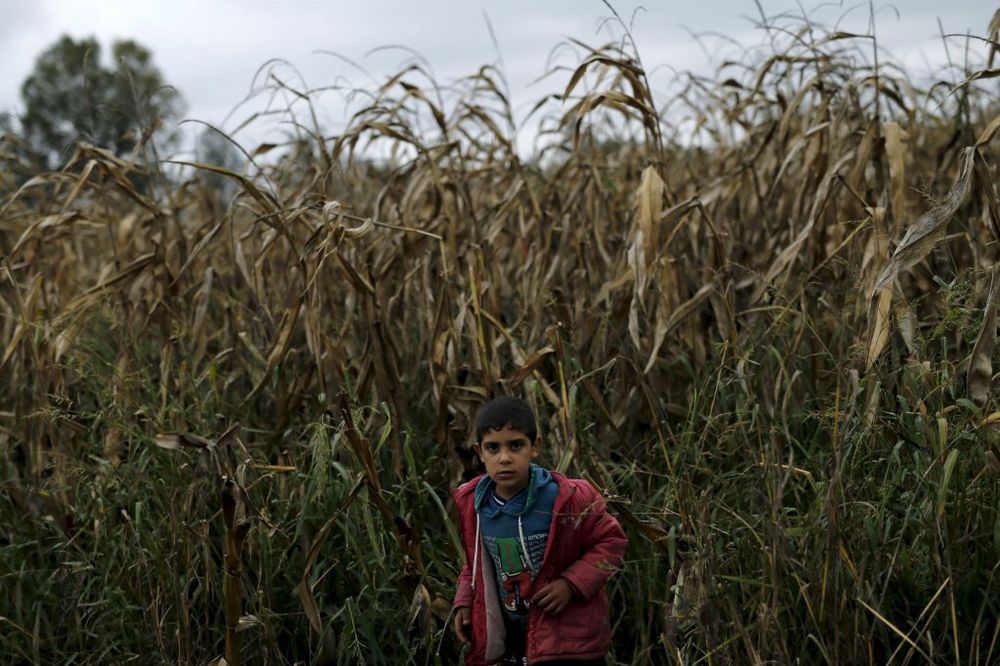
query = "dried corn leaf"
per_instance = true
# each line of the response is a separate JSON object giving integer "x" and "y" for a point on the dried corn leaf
{"x": 419, "y": 616}
{"x": 178, "y": 440}
{"x": 266, "y": 200}
{"x": 64, "y": 340}
{"x": 26, "y": 321}
{"x": 925, "y": 232}
{"x": 787, "y": 255}
{"x": 529, "y": 366}
{"x": 46, "y": 222}
{"x": 878, "y": 334}
{"x": 988, "y": 189}
{"x": 279, "y": 347}
{"x": 80, "y": 182}
{"x": 649, "y": 210}
{"x": 895, "y": 149}
{"x": 87, "y": 298}
{"x": 906, "y": 321}
{"x": 309, "y": 605}
{"x": 684, "y": 310}
{"x": 988, "y": 132}
{"x": 202, "y": 244}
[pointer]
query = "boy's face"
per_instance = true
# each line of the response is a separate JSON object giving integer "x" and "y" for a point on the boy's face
{"x": 507, "y": 454}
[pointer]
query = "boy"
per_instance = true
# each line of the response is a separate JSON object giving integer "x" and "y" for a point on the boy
{"x": 538, "y": 549}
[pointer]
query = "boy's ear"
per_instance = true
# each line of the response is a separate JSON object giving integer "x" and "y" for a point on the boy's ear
{"x": 536, "y": 446}
{"x": 478, "y": 448}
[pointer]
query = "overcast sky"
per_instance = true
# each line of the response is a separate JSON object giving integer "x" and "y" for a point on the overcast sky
{"x": 210, "y": 50}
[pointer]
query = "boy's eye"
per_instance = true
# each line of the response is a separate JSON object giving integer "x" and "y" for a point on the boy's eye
{"x": 492, "y": 448}
{"x": 514, "y": 446}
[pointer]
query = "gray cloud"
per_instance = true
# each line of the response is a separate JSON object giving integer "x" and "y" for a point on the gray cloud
{"x": 18, "y": 17}
{"x": 210, "y": 51}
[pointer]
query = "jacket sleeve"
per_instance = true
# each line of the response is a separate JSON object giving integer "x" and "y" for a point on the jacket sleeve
{"x": 464, "y": 594}
{"x": 603, "y": 545}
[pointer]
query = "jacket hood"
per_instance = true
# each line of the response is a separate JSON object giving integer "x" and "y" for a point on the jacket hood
{"x": 539, "y": 476}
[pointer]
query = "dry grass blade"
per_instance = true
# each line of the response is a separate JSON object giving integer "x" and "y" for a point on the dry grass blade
{"x": 979, "y": 377}
{"x": 304, "y": 588}
{"x": 896, "y": 630}
{"x": 927, "y": 607}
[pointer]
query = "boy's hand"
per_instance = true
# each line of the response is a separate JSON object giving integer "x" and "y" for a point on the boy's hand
{"x": 553, "y": 597}
{"x": 463, "y": 624}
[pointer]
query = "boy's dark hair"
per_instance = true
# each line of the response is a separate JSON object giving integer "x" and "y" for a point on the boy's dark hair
{"x": 501, "y": 412}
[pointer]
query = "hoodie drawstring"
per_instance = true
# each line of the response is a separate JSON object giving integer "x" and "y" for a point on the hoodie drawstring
{"x": 475, "y": 554}
{"x": 524, "y": 544}
{"x": 475, "y": 551}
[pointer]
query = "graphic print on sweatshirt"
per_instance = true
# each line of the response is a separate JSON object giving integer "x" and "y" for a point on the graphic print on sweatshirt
{"x": 515, "y": 576}
{"x": 515, "y": 532}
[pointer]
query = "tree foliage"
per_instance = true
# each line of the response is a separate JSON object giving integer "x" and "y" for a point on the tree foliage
{"x": 72, "y": 96}
{"x": 216, "y": 149}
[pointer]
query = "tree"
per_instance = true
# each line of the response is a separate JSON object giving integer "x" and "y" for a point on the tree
{"x": 71, "y": 96}
{"x": 215, "y": 149}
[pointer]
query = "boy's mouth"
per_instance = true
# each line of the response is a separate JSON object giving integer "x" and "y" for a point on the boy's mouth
{"x": 505, "y": 475}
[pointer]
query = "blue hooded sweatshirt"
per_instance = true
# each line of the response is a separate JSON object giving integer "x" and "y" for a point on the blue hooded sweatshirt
{"x": 515, "y": 533}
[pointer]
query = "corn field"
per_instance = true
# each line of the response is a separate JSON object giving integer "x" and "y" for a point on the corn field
{"x": 229, "y": 427}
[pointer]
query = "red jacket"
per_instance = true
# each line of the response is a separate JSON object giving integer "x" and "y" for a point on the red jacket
{"x": 586, "y": 545}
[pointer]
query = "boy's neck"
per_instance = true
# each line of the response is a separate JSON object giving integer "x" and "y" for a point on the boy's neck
{"x": 508, "y": 493}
